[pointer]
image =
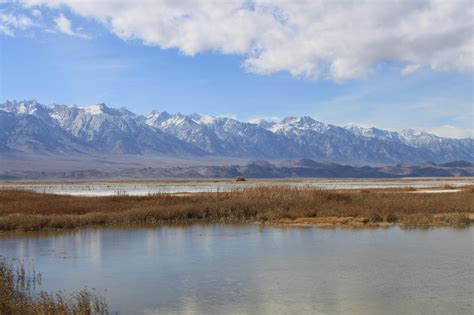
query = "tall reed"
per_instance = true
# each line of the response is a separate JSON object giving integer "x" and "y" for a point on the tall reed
{"x": 17, "y": 295}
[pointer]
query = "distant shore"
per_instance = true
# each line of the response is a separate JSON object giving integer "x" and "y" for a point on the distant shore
{"x": 22, "y": 210}
{"x": 183, "y": 186}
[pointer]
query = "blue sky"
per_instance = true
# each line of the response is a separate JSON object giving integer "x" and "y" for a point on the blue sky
{"x": 85, "y": 60}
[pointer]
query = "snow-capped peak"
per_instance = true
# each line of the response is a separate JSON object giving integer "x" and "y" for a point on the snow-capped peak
{"x": 418, "y": 138}
{"x": 95, "y": 109}
{"x": 411, "y": 133}
{"x": 298, "y": 124}
{"x": 102, "y": 109}
{"x": 262, "y": 123}
{"x": 23, "y": 107}
{"x": 369, "y": 132}
{"x": 156, "y": 117}
{"x": 207, "y": 119}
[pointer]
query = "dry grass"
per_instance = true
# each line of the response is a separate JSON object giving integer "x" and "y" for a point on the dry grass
{"x": 16, "y": 297}
{"x": 23, "y": 210}
{"x": 468, "y": 188}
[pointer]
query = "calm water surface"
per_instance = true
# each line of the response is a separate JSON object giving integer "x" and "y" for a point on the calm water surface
{"x": 223, "y": 269}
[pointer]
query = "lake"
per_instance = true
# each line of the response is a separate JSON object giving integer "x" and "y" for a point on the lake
{"x": 250, "y": 269}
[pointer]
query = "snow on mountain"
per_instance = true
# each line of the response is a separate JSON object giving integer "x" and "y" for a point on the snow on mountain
{"x": 156, "y": 117}
{"x": 436, "y": 146}
{"x": 372, "y": 132}
{"x": 186, "y": 129}
{"x": 30, "y": 126}
{"x": 118, "y": 130}
{"x": 26, "y": 127}
{"x": 22, "y": 107}
{"x": 204, "y": 119}
{"x": 298, "y": 125}
{"x": 27, "y": 108}
{"x": 419, "y": 138}
{"x": 219, "y": 135}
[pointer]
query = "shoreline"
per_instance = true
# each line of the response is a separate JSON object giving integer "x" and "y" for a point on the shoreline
{"x": 182, "y": 187}
{"x": 443, "y": 220}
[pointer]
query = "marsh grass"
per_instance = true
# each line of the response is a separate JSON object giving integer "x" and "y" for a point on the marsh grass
{"x": 24, "y": 210}
{"x": 16, "y": 295}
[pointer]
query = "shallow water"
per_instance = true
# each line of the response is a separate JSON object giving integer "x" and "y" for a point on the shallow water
{"x": 223, "y": 269}
{"x": 145, "y": 188}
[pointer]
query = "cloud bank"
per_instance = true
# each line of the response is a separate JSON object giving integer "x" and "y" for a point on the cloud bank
{"x": 335, "y": 40}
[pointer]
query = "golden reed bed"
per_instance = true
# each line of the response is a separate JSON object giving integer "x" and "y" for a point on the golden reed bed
{"x": 29, "y": 211}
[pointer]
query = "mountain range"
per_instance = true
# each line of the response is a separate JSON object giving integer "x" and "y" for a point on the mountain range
{"x": 31, "y": 128}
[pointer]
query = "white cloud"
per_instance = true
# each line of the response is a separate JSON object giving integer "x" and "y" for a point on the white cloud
{"x": 409, "y": 69}
{"x": 231, "y": 116}
{"x": 10, "y": 22}
{"x": 36, "y": 13}
{"x": 257, "y": 119}
{"x": 449, "y": 131}
{"x": 335, "y": 40}
{"x": 63, "y": 24}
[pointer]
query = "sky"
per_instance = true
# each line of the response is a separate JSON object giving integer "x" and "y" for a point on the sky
{"x": 388, "y": 64}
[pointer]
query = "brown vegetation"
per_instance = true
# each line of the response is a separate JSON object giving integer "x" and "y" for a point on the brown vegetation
{"x": 16, "y": 297}
{"x": 468, "y": 188}
{"x": 23, "y": 210}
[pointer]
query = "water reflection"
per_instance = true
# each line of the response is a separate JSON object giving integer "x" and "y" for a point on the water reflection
{"x": 215, "y": 269}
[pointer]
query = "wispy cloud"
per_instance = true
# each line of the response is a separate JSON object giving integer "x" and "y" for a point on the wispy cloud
{"x": 450, "y": 131}
{"x": 10, "y": 22}
{"x": 64, "y": 25}
{"x": 257, "y": 119}
{"x": 226, "y": 115}
{"x": 409, "y": 69}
